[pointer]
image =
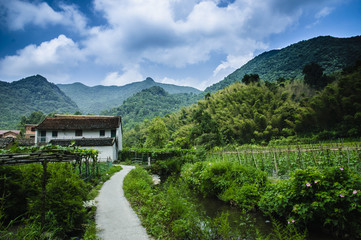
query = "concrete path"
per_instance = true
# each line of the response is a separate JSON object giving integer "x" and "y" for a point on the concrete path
{"x": 115, "y": 219}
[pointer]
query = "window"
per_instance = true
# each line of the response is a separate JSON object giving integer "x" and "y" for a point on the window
{"x": 102, "y": 133}
{"x": 113, "y": 134}
{"x": 54, "y": 134}
{"x": 43, "y": 136}
{"x": 78, "y": 133}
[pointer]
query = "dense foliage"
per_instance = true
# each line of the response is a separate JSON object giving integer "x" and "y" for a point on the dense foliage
{"x": 261, "y": 111}
{"x": 29, "y": 95}
{"x": 98, "y": 98}
{"x": 331, "y": 53}
{"x": 171, "y": 218}
{"x": 313, "y": 198}
{"x": 21, "y": 191}
{"x": 231, "y": 182}
{"x": 33, "y": 118}
{"x": 149, "y": 103}
{"x": 178, "y": 214}
{"x": 22, "y": 202}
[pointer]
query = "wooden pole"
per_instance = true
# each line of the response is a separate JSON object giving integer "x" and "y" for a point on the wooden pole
{"x": 239, "y": 159}
{"x": 275, "y": 161}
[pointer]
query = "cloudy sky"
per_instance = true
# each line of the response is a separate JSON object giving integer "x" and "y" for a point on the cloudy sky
{"x": 185, "y": 42}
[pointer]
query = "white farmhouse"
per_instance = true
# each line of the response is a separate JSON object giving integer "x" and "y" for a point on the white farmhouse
{"x": 102, "y": 133}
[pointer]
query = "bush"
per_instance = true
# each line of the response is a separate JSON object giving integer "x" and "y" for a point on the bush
{"x": 64, "y": 198}
{"x": 12, "y": 193}
{"x": 329, "y": 198}
{"x": 174, "y": 217}
{"x": 229, "y": 181}
{"x": 65, "y": 193}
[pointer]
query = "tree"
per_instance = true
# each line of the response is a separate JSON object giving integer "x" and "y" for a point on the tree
{"x": 314, "y": 76}
{"x": 157, "y": 134}
{"x": 205, "y": 131}
{"x": 33, "y": 118}
{"x": 251, "y": 78}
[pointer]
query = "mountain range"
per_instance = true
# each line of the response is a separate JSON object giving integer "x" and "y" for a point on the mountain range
{"x": 95, "y": 99}
{"x": 332, "y": 54}
{"x": 35, "y": 93}
{"x": 28, "y": 95}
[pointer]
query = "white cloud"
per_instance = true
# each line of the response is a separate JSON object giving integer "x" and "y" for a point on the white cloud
{"x": 171, "y": 33}
{"x": 18, "y": 14}
{"x": 49, "y": 58}
{"x": 155, "y": 31}
{"x": 128, "y": 76}
{"x": 232, "y": 63}
{"x": 182, "y": 82}
{"x": 323, "y": 12}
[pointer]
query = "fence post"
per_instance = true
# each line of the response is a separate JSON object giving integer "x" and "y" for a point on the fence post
{"x": 148, "y": 161}
{"x": 239, "y": 159}
{"x": 275, "y": 160}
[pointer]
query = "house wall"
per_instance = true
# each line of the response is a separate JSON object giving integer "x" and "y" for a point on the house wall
{"x": 29, "y": 133}
{"x": 70, "y": 134}
{"x": 105, "y": 152}
{"x": 120, "y": 139}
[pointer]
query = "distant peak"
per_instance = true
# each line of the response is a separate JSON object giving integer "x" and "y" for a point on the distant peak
{"x": 36, "y": 78}
{"x": 149, "y": 79}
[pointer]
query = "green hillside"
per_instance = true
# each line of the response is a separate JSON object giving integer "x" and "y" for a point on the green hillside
{"x": 150, "y": 103}
{"x": 98, "y": 98}
{"x": 331, "y": 53}
{"x": 261, "y": 112}
{"x": 28, "y": 95}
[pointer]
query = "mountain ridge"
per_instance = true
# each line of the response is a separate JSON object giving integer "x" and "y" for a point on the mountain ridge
{"x": 28, "y": 95}
{"x": 331, "y": 53}
{"x": 99, "y": 98}
{"x": 149, "y": 103}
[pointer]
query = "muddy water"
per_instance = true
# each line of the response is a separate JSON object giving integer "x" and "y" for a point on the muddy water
{"x": 247, "y": 223}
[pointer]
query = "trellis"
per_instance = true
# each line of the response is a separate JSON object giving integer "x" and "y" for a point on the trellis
{"x": 46, "y": 156}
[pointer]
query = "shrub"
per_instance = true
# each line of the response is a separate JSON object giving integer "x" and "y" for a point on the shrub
{"x": 229, "y": 181}
{"x": 12, "y": 193}
{"x": 174, "y": 217}
{"x": 329, "y": 198}
{"x": 66, "y": 192}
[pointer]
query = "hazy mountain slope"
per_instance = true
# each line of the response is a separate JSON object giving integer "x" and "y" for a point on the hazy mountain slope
{"x": 98, "y": 98}
{"x": 150, "y": 103}
{"x": 331, "y": 53}
{"x": 28, "y": 95}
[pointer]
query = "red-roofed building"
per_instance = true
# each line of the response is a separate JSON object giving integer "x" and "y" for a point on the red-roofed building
{"x": 9, "y": 133}
{"x": 102, "y": 133}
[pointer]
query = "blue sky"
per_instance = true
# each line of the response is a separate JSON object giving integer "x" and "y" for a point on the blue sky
{"x": 185, "y": 42}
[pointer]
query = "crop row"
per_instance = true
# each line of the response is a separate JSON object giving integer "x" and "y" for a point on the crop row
{"x": 280, "y": 161}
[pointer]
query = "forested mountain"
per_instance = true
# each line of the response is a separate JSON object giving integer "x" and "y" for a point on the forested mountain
{"x": 28, "y": 95}
{"x": 149, "y": 103}
{"x": 330, "y": 53}
{"x": 259, "y": 112}
{"x": 98, "y": 98}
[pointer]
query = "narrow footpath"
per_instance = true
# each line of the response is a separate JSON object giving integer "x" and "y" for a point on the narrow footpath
{"x": 115, "y": 219}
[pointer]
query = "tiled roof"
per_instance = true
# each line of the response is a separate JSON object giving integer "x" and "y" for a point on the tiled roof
{"x": 4, "y": 142}
{"x": 5, "y": 131}
{"x": 84, "y": 142}
{"x": 73, "y": 122}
